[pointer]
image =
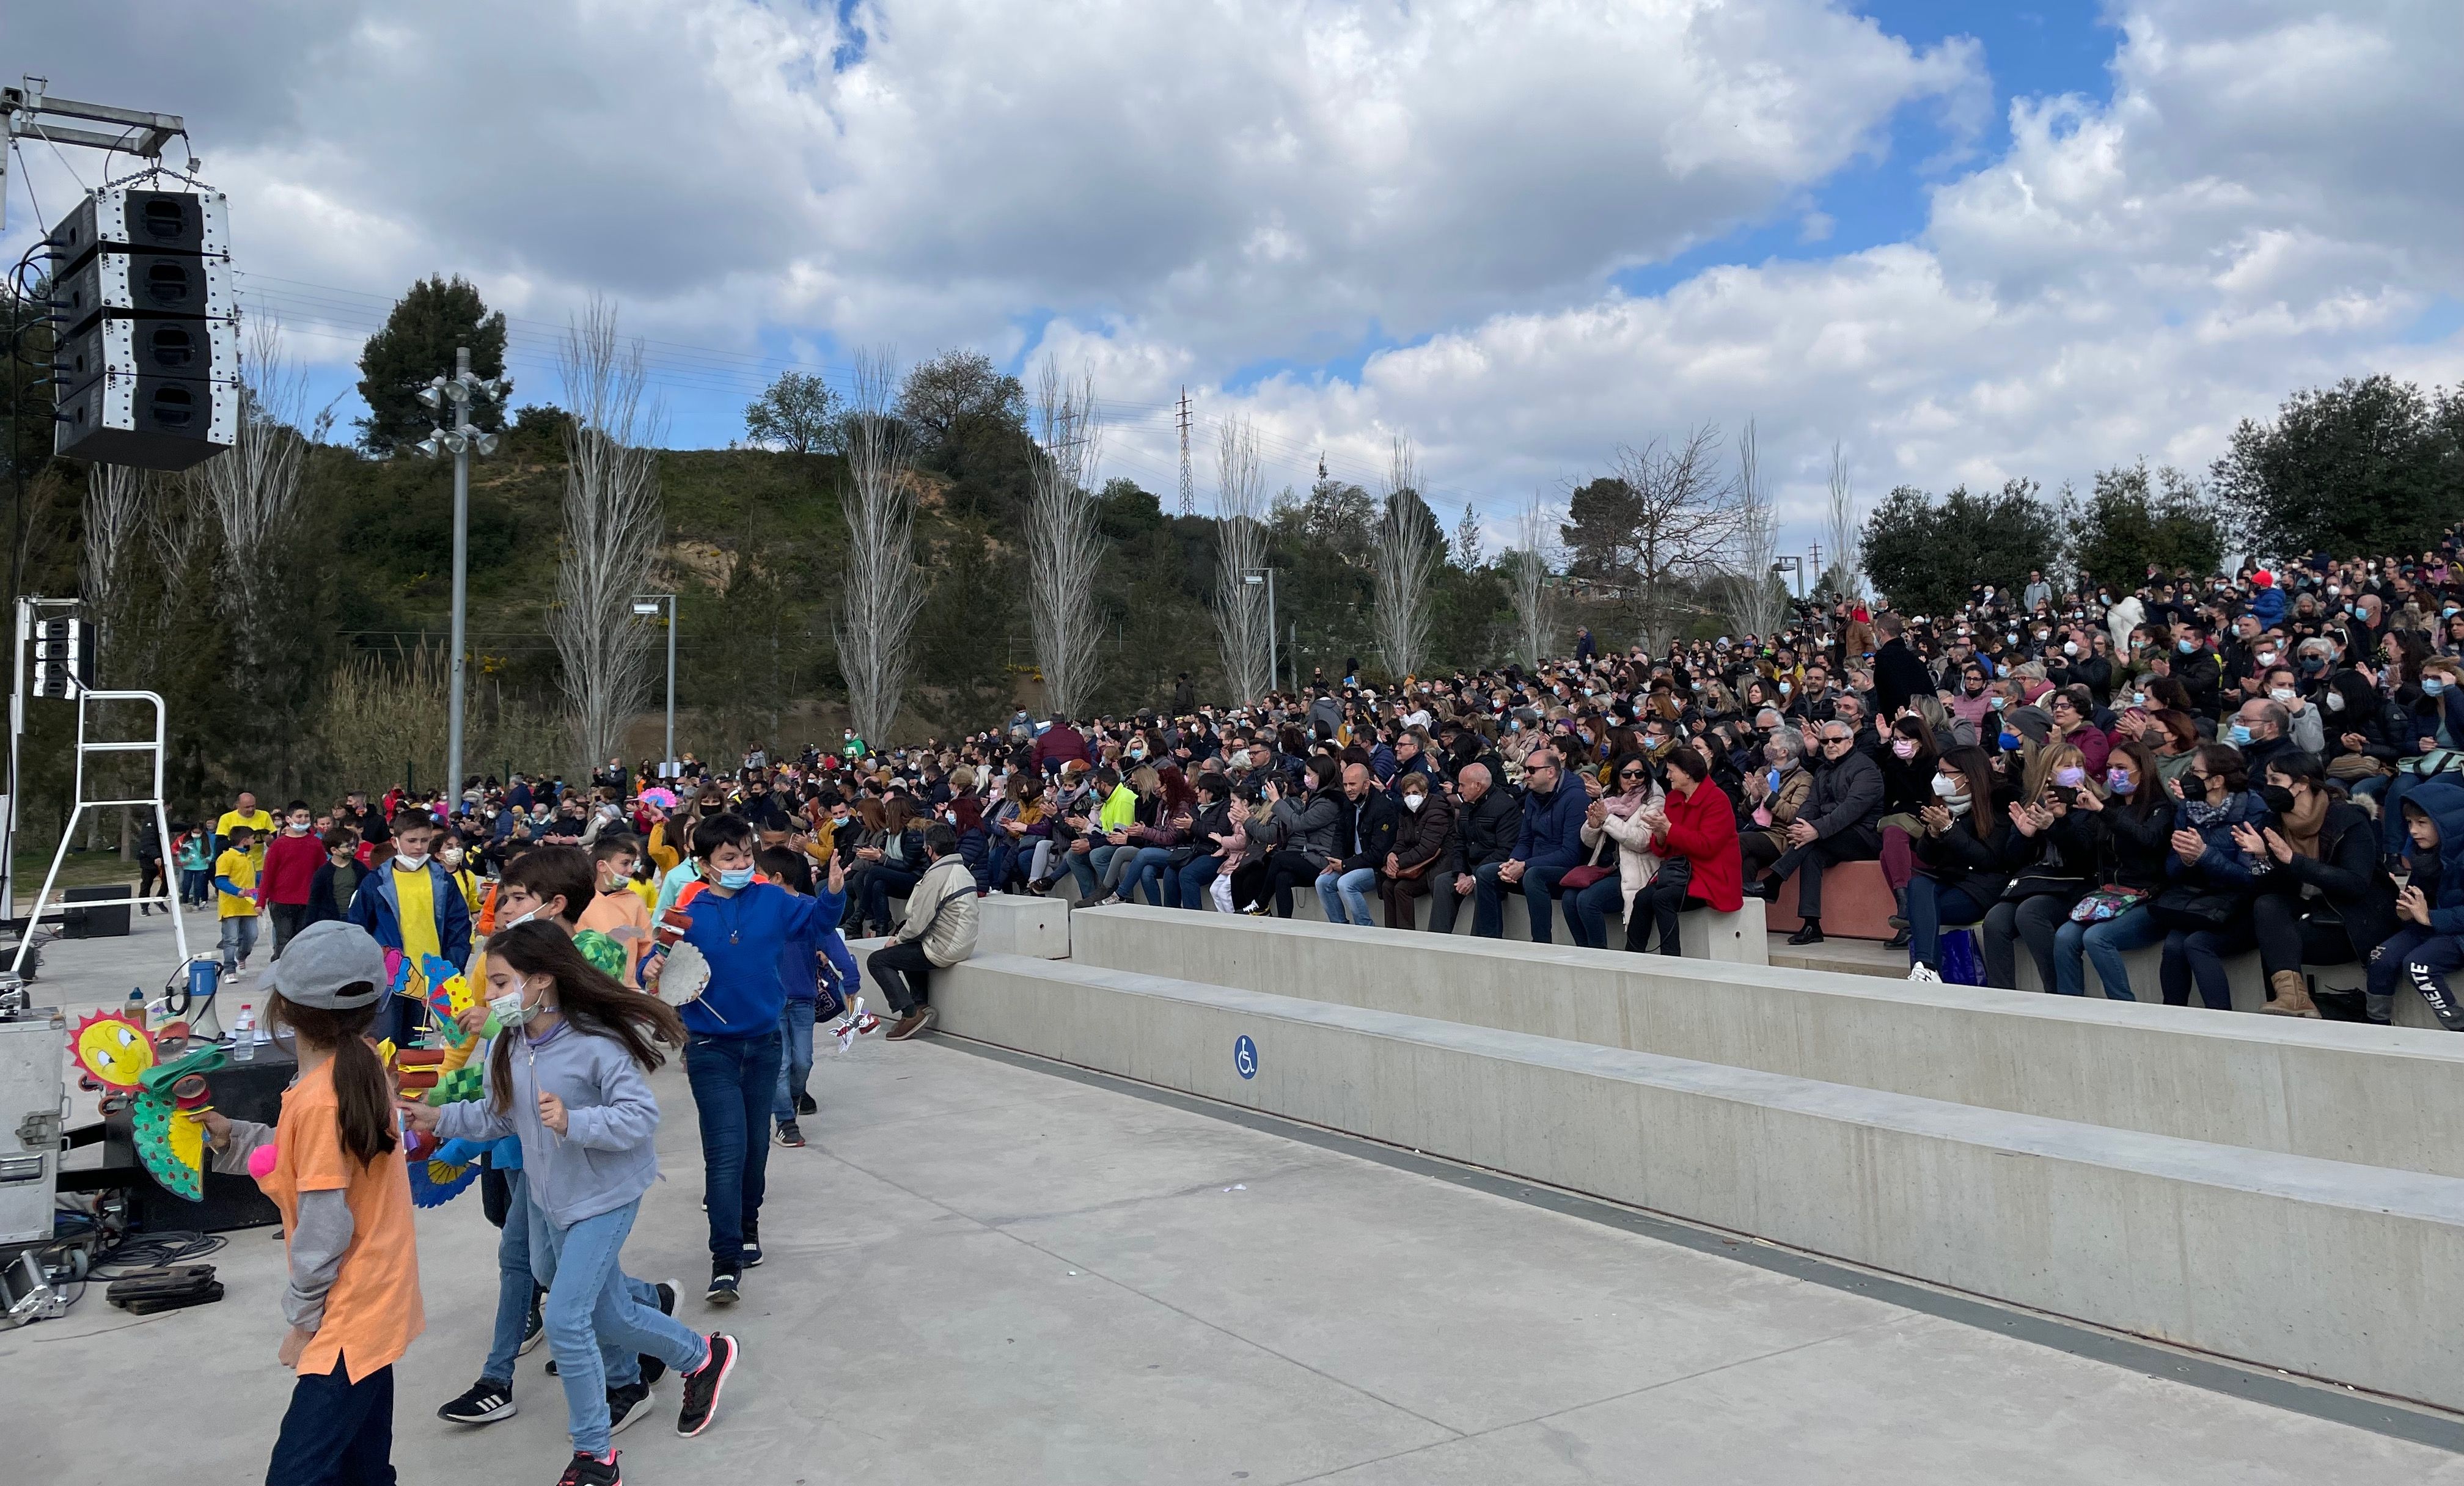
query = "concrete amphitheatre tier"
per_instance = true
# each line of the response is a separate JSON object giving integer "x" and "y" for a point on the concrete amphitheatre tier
{"x": 2286, "y": 1195}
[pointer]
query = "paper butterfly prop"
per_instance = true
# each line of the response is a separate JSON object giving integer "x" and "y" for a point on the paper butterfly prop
{"x": 448, "y": 993}
{"x": 439, "y": 1173}
{"x": 121, "y": 1057}
{"x": 602, "y": 950}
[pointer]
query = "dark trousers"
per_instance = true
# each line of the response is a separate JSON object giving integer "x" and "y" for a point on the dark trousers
{"x": 1758, "y": 851}
{"x": 2030, "y": 921}
{"x": 2199, "y": 954}
{"x": 1539, "y": 890}
{"x": 1857, "y": 843}
{"x": 899, "y": 967}
{"x": 1656, "y": 906}
{"x": 151, "y": 880}
{"x": 289, "y": 918}
{"x": 1276, "y": 873}
{"x": 1443, "y": 900}
{"x": 885, "y": 884}
{"x": 1399, "y": 893}
{"x": 734, "y": 1080}
{"x": 335, "y": 1432}
{"x": 2289, "y": 938}
{"x": 2420, "y": 958}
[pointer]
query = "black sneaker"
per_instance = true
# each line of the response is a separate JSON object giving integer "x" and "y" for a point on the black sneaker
{"x": 652, "y": 1369}
{"x": 534, "y": 1327}
{"x": 723, "y": 1281}
{"x": 789, "y": 1136}
{"x": 805, "y": 1105}
{"x": 591, "y": 1470}
{"x": 626, "y": 1405}
{"x": 753, "y": 1244}
{"x": 484, "y": 1401}
{"x": 703, "y": 1382}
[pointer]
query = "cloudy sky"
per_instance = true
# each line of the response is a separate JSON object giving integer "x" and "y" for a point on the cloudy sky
{"x": 1965, "y": 241}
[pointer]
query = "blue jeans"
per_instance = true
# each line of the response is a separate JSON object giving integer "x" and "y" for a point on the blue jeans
{"x": 795, "y": 1055}
{"x": 1186, "y": 885}
{"x": 1539, "y": 890}
{"x": 1088, "y": 866}
{"x": 239, "y": 940}
{"x": 2105, "y": 944}
{"x": 516, "y": 1282}
{"x": 594, "y": 1307}
{"x": 734, "y": 1080}
{"x": 1345, "y": 896}
{"x": 1150, "y": 865}
{"x": 1587, "y": 912}
{"x": 1931, "y": 907}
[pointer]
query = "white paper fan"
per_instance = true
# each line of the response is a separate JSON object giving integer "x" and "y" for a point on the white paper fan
{"x": 685, "y": 976}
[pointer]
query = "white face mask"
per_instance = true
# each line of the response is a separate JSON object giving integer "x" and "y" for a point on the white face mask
{"x": 2335, "y": 701}
{"x": 410, "y": 862}
{"x": 2283, "y": 694}
{"x": 1413, "y": 803}
{"x": 1945, "y": 787}
{"x": 509, "y": 1011}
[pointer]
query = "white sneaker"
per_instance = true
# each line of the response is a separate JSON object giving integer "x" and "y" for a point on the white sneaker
{"x": 1923, "y": 973}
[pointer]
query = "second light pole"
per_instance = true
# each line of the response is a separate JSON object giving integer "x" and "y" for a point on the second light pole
{"x": 646, "y": 605}
{"x": 461, "y": 440}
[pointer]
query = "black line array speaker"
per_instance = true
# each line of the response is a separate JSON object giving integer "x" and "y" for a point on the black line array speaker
{"x": 147, "y": 359}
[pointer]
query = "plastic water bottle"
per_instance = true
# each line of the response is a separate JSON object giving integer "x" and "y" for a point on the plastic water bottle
{"x": 244, "y": 1035}
{"x": 136, "y": 1005}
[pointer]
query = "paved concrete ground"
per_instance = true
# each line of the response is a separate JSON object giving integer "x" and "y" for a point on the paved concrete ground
{"x": 982, "y": 1273}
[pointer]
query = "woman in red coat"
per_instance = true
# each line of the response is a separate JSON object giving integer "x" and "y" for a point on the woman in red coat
{"x": 1695, "y": 836}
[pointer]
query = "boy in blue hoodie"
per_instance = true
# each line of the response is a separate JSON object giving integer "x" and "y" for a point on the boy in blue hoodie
{"x": 2427, "y": 944}
{"x": 731, "y": 1043}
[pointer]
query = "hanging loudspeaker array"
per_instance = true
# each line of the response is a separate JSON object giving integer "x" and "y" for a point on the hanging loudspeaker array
{"x": 147, "y": 365}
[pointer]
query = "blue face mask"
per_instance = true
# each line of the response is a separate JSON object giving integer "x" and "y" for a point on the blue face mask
{"x": 2238, "y": 735}
{"x": 2187, "y": 646}
{"x": 739, "y": 876}
{"x": 2313, "y": 663}
{"x": 2120, "y": 781}
{"x": 2431, "y": 686}
{"x": 2010, "y": 742}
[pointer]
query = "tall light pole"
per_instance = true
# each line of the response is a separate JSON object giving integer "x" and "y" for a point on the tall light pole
{"x": 646, "y": 605}
{"x": 460, "y": 440}
{"x": 1266, "y": 576}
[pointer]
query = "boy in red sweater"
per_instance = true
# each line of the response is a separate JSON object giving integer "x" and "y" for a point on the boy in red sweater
{"x": 291, "y": 863}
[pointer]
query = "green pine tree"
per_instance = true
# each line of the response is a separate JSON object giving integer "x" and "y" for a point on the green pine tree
{"x": 418, "y": 342}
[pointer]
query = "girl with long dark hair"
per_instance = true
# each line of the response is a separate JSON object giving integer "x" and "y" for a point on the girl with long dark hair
{"x": 568, "y": 1076}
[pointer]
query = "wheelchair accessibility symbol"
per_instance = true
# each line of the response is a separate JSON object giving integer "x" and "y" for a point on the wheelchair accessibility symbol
{"x": 1245, "y": 1056}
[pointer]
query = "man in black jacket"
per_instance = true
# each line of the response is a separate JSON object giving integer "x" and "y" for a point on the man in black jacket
{"x": 1898, "y": 676}
{"x": 1487, "y": 819}
{"x": 1364, "y": 837}
{"x": 1841, "y": 821}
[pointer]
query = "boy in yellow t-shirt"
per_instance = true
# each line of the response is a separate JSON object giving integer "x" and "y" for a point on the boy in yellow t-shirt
{"x": 235, "y": 893}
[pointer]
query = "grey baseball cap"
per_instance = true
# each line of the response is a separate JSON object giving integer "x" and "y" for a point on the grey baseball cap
{"x": 323, "y": 959}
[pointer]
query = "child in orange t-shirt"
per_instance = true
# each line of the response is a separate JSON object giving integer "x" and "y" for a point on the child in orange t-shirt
{"x": 334, "y": 1167}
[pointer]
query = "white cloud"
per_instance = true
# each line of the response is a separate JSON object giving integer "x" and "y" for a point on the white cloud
{"x": 1182, "y": 193}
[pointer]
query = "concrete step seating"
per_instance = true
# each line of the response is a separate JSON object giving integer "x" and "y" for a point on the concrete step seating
{"x": 2334, "y": 1091}
{"x": 2327, "y": 1268}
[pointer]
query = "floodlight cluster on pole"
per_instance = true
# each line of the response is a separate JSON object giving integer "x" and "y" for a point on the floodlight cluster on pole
{"x": 451, "y": 398}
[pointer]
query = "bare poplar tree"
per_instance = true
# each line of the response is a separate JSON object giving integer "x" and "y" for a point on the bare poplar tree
{"x": 884, "y": 591}
{"x": 1242, "y": 622}
{"x": 253, "y": 487}
{"x": 1756, "y": 604}
{"x": 1535, "y": 601}
{"x": 1061, "y": 546}
{"x": 1842, "y": 526}
{"x": 1409, "y": 549}
{"x": 1685, "y": 524}
{"x": 612, "y": 528}
{"x": 114, "y": 516}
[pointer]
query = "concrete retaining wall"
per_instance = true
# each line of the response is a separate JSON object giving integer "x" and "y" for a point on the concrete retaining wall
{"x": 2335, "y": 1090}
{"x": 2337, "y": 1271}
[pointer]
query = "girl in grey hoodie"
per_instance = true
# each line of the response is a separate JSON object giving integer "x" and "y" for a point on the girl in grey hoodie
{"x": 567, "y": 1074}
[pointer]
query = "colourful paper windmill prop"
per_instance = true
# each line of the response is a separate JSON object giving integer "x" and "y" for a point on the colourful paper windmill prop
{"x": 440, "y": 1172}
{"x": 121, "y": 1057}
